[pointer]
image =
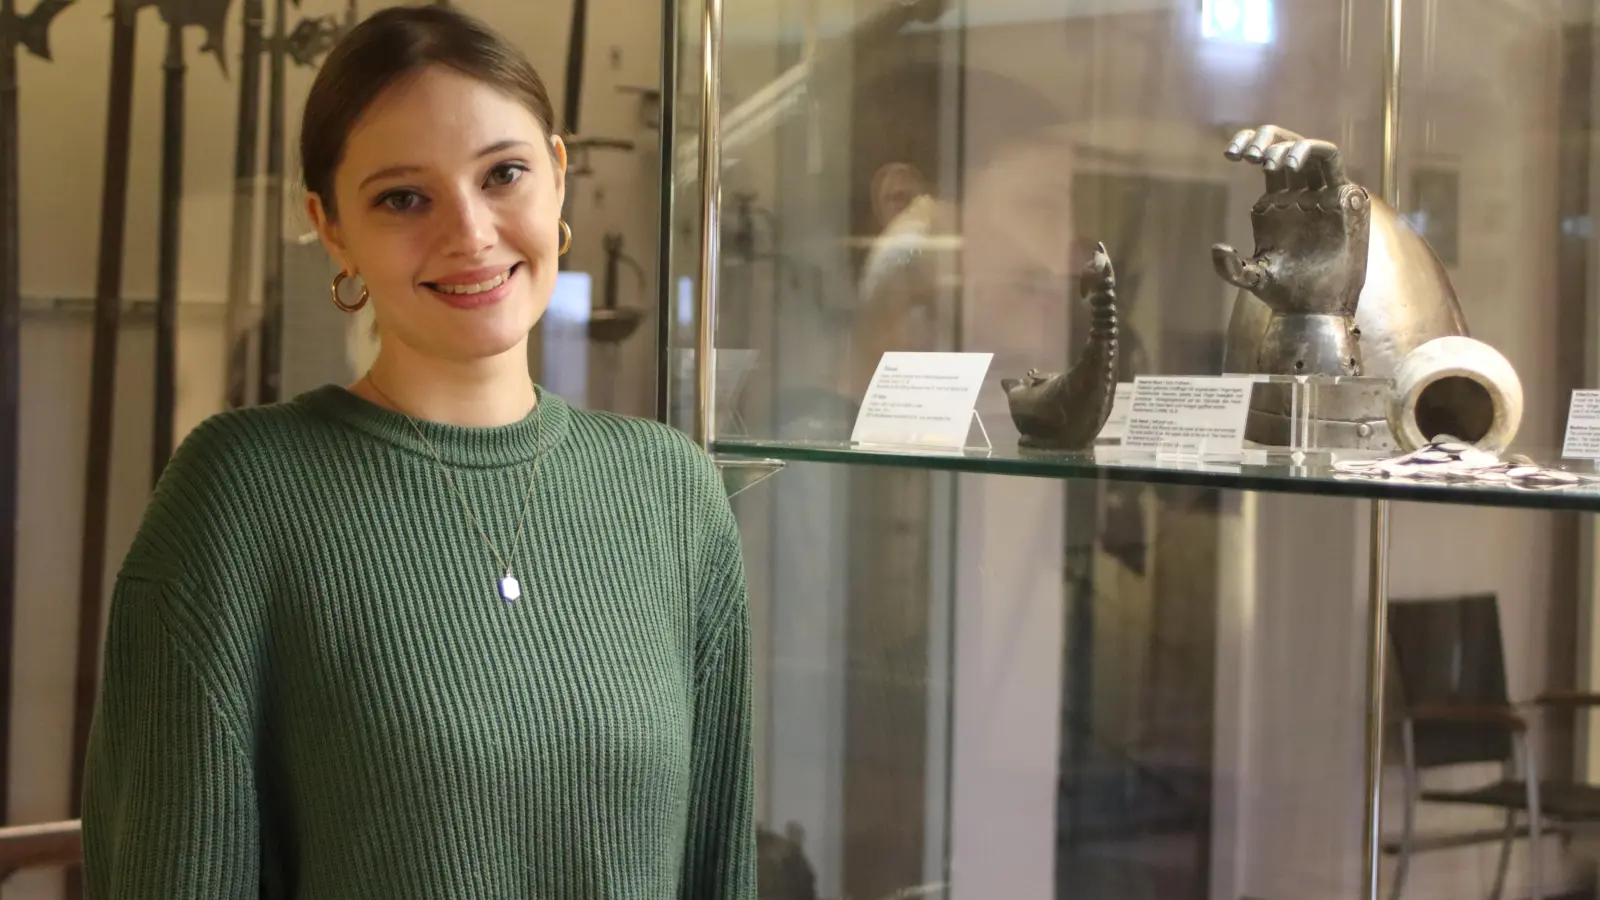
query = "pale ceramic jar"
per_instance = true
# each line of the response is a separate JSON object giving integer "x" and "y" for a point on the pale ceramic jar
{"x": 1455, "y": 386}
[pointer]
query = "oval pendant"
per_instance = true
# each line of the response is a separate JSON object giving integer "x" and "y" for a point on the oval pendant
{"x": 510, "y": 588}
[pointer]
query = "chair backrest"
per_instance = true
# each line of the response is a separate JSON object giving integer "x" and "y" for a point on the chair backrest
{"x": 782, "y": 870}
{"x": 1448, "y": 652}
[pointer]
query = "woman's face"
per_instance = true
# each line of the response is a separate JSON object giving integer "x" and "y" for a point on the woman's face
{"x": 448, "y": 199}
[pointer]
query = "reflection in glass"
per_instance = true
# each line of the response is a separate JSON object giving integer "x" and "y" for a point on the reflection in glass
{"x": 939, "y": 189}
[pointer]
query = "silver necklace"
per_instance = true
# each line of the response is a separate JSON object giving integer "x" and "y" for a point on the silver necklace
{"x": 510, "y": 587}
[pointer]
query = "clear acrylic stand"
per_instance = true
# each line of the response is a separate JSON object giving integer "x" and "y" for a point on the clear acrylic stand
{"x": 987, "y": 449}
{"x": 1180, "y": 451}
{"x": 1309, "y": 395}
{"x": 988, "y": 445}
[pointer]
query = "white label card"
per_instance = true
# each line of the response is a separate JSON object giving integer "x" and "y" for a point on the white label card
{"x": 921, "y": 399}
{"x": 1202, "y": 415}
{"x": 1117, "y": 420}
{"x": 1583, "y": 427}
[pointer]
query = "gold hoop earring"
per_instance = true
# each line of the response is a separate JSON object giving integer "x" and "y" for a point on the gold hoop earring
{"x": 349, "y": 307}
{"x": 566, "y": 237}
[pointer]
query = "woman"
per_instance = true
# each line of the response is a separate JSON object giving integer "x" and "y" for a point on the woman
{"x": 438, "y": 634}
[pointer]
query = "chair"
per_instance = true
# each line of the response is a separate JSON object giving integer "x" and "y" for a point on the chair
{"x": 782, "y": 870}
{"x": 1456, "y": 710}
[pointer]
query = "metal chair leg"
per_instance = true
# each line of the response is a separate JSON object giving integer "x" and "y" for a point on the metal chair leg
{"x": 1408, "y": 809}
{"x": 1530, "y": 774}
{"x": 1505, "y": 856}
{"x": 1402, "y": 859}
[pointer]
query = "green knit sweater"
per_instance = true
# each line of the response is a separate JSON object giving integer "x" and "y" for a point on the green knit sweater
{"x": 313, "y": 690}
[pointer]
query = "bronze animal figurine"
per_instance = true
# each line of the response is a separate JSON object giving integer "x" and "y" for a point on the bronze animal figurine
{"x": 1067, "y": 411}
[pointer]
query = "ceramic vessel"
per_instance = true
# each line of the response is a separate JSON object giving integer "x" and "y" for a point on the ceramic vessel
{"x": 1455, "y": 386}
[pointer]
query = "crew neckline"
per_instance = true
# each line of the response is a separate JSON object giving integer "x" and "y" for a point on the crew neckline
{"x": 458, "y": 445}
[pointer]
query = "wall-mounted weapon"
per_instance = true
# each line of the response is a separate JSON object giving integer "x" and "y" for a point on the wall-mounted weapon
{"x": 579, "y": 149}
{"x": 271, "y": 329}
{"x": 240, "y": 239}
{"x": 174, "y": 72}
{"x": 577, "y": 49}
{"x": 102, "y": 381}
{"x": 32, "y": 33}
{"x": 178, "y": 14}
{"x": 571, "y": 105}
{"x": 612, "y": 322}
{"x": 209, "y": 16}
{"x": 304, "y": 45}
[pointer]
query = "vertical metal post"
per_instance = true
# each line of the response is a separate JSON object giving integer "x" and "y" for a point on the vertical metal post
{"x": 666, "y": 282}
{"x": 241, "y": 249}
{"x": 10, "y": 367}
{"x": 1377, "y": 657}
{"x": 1378, "y": 535}
{"x": 1389, "y": 186}
{"x": 705, "y": 421}
{"x": 174, "y": 73}
{"x": 269, "y": 370}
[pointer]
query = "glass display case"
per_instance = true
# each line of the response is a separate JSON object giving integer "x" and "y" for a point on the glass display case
{"x": 1157, "y": 430}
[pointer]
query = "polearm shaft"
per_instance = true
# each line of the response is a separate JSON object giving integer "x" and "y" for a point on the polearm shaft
{"x": 10, "y": 371}
{"x": 572, "y": 89}
{"x": 272, "y": 295}
{"x": 241, "y": 244}
{"x": 102, "y": 397}
{"x": 174, "y": 72}
{"x": 32, "y": 32}
{"x": 571, "y": 105}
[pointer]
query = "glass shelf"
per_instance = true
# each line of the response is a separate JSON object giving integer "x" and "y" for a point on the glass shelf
{"x": 1259, "y": 471}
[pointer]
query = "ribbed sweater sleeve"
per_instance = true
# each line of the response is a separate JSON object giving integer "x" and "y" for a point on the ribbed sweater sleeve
{"x": 169, "y": 809}
{"x": 721, "y": 845}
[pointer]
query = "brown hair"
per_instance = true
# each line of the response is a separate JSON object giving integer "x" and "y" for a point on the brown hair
{"x": 388, "y": 46}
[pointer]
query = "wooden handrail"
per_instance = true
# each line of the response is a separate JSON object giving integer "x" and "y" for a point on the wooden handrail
{"x": 44, "y": 845}
{"x": 1567, "y": 698}
{"x": 1503, "y": 716}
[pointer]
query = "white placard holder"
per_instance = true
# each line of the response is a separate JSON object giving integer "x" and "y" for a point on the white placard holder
{"x": 1117, "y": 420}
{"x": 1178, "y": 451}
{"x": 1184, "y": 419}
{"x": 923, "y": 401}
{"x": 1583, "y": 427}
{"x": 988, "y": 446}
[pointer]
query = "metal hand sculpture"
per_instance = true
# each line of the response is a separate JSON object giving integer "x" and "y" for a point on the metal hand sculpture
{"x": 1066, "y": 412}
{"x": 1311, "y": 229}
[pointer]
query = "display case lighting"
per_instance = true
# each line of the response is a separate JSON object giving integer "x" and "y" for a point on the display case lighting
{"x": 1236, "y": 21}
